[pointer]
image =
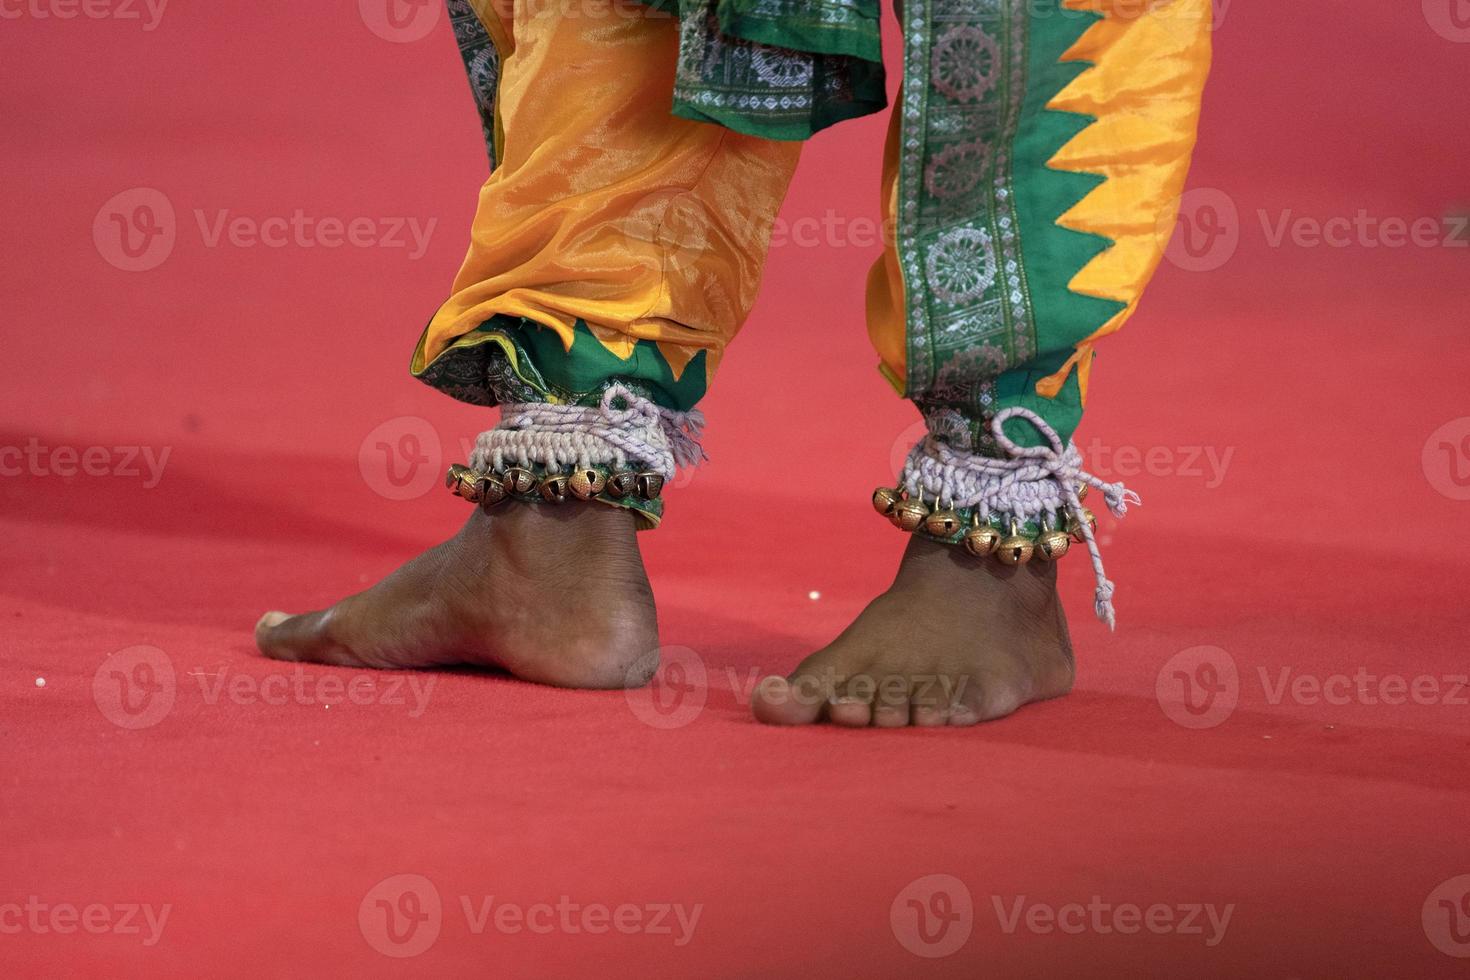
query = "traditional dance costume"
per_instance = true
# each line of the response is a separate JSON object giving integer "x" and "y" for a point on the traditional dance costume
{"x": 640, "y": 153}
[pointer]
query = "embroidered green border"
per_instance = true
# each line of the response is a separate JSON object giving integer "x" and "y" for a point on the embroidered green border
{"x": 482, "y": 67}
{"x": 986, "y": 267}
{"x": 509, "y": 359}
{"x": 850, "y": 27}
{"x": 777, "y": 69}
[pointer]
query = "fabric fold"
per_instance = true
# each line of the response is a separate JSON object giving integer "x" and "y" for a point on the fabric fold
{"x": 777, "y": 69}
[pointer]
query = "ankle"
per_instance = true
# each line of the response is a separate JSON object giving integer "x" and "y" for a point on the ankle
{"x": 930, "y": 566}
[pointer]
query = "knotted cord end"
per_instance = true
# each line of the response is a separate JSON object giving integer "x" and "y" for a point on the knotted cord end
{"x": 1030, "y": 484}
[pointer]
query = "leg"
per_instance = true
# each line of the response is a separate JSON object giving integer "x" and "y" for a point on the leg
{"x": 1039, "y": 152}
{"x": 608, "y": 267}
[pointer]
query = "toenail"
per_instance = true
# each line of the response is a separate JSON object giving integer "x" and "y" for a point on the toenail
{"x": 772, "y": 687}
{"x": 272, "y": 619}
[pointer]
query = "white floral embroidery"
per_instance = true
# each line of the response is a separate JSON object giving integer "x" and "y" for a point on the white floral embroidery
{"x": 783, "y": 70}
{"x": 961, "y": 265}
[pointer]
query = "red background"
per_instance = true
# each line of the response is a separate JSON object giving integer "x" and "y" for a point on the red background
{"x": 1334, "y": 542}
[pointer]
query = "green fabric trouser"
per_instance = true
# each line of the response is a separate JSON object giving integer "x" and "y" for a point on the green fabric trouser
{"x": 1032, "y": 173}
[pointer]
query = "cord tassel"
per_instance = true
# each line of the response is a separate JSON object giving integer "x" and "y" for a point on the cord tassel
{"x": 1029, "y": 484}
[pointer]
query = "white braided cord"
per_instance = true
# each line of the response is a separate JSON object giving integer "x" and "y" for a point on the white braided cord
{"x": 1029, "y": 484}
{"x": 624, "y": 432}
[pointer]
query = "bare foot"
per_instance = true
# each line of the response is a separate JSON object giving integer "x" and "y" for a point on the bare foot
{"x": 955, "y": 640}
{"x": 553, "y": 594}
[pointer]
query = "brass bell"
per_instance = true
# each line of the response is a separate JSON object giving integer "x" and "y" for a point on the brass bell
{"x": 472, "y": 487}
{"x": 650, "y": 485}
{"x": 982, "y": 539}
{"x": 492, "y": 492}
{"x": 519, "y": 480}
{"x": 554, "y": 488}
{"x": 1015, "y": 548}
{"x": 885, "y": 499}
{"x": 1052, "y": 544}
{"x": 943, "y": 524}
{"x": 622, "y": 484}
{"x": 1082, "y": 489}
{"x": 586, "y": 484}
{"x": 463, "y": 482}
{"x": 1075, "y": 528}
{"x": 908, "y": 514}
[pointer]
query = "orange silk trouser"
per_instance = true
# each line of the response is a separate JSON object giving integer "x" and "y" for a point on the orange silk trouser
{"x": 635, "y": 238}
{"x": 1032, "y": 174}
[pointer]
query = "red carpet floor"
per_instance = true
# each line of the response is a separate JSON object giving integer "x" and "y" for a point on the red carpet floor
{"x": 1294, "y": 415}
